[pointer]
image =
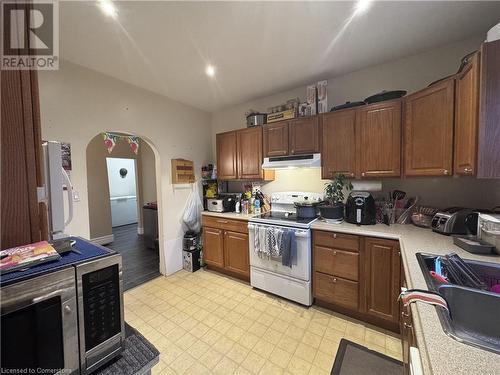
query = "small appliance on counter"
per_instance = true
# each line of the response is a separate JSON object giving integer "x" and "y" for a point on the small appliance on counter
{"x": 190, "y": 251}
{"x": 452, "y": 221}
{"x": 488, "y": 230}
{"x": 224, "y": 203}
{"x": 360, "y": 208}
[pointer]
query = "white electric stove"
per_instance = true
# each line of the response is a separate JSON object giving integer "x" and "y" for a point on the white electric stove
{"x": 268, "y": 273}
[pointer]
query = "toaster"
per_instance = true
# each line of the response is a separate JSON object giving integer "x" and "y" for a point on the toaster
{"x": 452, "y": 220}
{"x": 360, "y": 208}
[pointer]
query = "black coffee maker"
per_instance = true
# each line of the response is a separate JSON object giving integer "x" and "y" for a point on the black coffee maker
{"x": 360, "y": 208}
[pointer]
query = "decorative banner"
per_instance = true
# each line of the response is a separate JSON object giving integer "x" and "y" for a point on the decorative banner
{"x": 109, "y": 141}
{"x": 133, "y": 142}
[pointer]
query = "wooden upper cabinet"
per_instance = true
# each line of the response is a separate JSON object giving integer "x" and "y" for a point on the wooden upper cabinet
{"x": 339, "y": 144}
{"x": 236, "y": 253}
{"x": 428, "y": 128}
{"x": 249, "y": 148}
{"x": 488, "y": 164}
{"x": 304, "y": 135}
{"x": 227, "y": 156}
{"x": 276, "y": 139}
{"x": 382, "y": 272}
{"x": 378, "y": 140}
{"x": 466, "y": 118}
{"x": 213, "y": 246}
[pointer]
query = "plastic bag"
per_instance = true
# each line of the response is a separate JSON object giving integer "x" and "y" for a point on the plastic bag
{"x": 192, "y": 212}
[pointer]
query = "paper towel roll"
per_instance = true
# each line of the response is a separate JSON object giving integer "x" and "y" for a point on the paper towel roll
{"x": 367, "y": 185}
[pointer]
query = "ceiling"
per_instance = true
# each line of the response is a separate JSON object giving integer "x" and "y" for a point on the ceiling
{"x": 258, "y": 48}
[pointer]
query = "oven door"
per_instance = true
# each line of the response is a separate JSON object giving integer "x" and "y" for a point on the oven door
{"x": 301, "y": 268}
{"x": 39, "y": 326}
{"x": 100, "y": 311}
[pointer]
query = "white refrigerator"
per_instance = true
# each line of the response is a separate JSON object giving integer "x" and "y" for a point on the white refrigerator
{"x": 53, "y": 193}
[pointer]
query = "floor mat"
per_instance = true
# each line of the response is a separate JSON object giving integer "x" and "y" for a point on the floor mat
{"x": 354, "y": 359}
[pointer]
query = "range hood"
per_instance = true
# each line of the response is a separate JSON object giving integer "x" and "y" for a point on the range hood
{"x": 293, "y": 161}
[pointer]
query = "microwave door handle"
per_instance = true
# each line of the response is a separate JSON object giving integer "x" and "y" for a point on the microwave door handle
{"x": 54, "y": 293}
{"x": 69, "y": 192}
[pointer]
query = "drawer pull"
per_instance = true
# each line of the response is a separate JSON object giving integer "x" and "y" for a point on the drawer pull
{"x": 334, "y": 252}
{"x": 334, "y": 280}
{"x": 404, "y": 315}
{"x": 335, "y": 235}
{"x": 407, "y": 325}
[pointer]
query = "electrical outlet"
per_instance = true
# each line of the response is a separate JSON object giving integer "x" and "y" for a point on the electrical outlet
{"x": 76, "y": 196}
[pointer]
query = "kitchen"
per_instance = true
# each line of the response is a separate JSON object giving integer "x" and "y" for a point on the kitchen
{"x": 429, "y": 149}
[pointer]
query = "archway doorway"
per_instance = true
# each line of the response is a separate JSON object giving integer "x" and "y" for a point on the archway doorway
{"x": 122, "y": 199}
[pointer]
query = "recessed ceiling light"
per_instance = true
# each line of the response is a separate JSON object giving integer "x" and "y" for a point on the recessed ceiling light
{"x": 210, "y": 70}
{"x": 363, "y": 5}
{"x": 108, "y": 8}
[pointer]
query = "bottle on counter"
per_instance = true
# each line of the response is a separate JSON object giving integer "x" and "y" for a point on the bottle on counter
{"x": 256, "y": 205}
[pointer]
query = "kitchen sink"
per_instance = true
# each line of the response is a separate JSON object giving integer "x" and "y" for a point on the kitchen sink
{"x": 473, "y": 317}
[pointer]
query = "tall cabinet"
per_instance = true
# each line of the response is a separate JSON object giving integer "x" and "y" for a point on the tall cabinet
{"x": 24, "y": 219}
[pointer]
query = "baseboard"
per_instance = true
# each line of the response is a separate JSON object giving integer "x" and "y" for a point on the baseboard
{"x": 104, "y": 240}
{"x": 140, "y": 230}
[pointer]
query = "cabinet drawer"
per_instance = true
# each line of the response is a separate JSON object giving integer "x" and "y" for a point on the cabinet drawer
{"x": 336, "y": 290}
{"x": 336, "y": 262}
{"x": 336, "y": 240}
{"x": 226, "y": 224}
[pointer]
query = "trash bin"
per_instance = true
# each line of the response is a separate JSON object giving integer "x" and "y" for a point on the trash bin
{"x": 150, "y": 223}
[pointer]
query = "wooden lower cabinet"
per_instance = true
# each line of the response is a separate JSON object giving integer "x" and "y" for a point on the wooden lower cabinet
{"x": 213, "y": 246}
{"x": 382, "y": 270}
{"x": 236, "y": 252}
{"x": 358, "y": 276}
{"x": 408, "y": 339}
{"x": 225, "y": 246}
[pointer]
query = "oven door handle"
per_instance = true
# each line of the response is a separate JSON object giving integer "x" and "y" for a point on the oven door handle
{"x": 298, "y": 232}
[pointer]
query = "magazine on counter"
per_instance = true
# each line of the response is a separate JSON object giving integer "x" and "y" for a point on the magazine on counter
{"x": 26, "y": 256}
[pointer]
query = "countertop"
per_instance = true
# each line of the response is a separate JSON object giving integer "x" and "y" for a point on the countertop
{"x": 440, "y": 354}
{"x": 229, "y": 215}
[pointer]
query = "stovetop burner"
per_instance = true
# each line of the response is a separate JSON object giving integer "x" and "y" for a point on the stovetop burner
{"x": 283, "y": 218}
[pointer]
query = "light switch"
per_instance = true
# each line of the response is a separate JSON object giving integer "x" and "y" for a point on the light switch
{"x": 76, "y": 196}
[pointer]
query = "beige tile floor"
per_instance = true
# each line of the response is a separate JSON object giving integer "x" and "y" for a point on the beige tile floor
{"x": 206, "y": 323}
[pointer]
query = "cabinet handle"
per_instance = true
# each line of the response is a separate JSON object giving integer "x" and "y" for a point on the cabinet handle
{"x": 407, "y": 325}
{"x": 292, "y": 151}
{"x": 363, "y": 174}
{"x": 445, "y": 171}
{"x": 335, "y": 235}
{"x": 334, "y": 280}
{"x": 351, "y": 174}
{"x": 467, "y": 170}
{"x": 404, "y": 315}
{"x": 334, "y": 252}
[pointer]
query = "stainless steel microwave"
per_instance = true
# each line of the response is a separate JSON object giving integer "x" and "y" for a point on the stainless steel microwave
{"x": 68, "y": 321}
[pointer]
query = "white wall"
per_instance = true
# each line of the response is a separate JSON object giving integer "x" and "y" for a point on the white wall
{"x": 78, "y": 103}
{"x": 121, "y": 186}
{"x": 411, "y": 74}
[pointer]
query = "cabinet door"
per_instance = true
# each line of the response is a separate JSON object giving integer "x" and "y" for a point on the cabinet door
{"x": 23, "y": 218}
{"x": 213, "y": 246}
{"x": 466, "y": 118}
{"x": 276, "y": 139}
{"x": 382, "y": 270}
{"x": 378, "y": 140}
{"x": 227, "y": 168}
{"x": 339, "y": 146}
{"x": 236, "y": 253}
{"x": 488, "y": 163}
{"x": 428, "y": 130}
{"x": 250, "y": 153}
{"x": 304, "y": 135}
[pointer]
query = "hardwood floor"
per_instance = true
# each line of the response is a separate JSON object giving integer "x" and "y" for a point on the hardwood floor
{"x": 140, "y": 264}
